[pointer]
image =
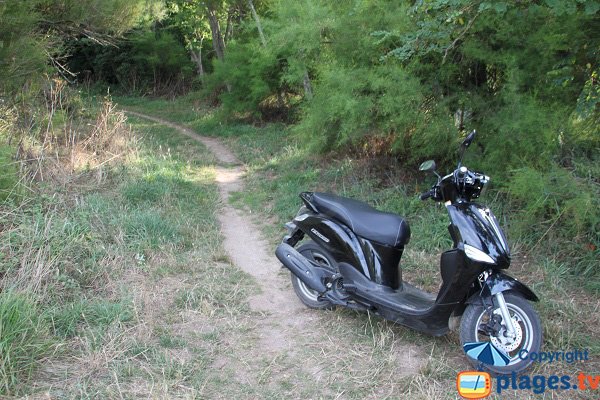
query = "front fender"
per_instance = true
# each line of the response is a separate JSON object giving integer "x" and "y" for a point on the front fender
{"x": 499, "y": 282}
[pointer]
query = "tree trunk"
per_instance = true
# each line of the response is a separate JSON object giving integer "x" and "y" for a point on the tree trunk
{"x": 229, "y": 27}
{"x": 258, "y": 24}
{"x": 215, "y": 30}
{"x": 196, "y": 56}
{"x": 308, "y": 92}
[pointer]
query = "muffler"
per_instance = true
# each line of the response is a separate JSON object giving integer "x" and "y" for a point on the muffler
{"x": 307, "y": 271}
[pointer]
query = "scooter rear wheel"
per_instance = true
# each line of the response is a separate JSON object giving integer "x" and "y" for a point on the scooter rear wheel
{"x": 309, "y": 297}
{"x": 528, "y": 338}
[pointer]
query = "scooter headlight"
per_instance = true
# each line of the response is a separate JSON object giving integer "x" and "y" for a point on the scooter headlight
{"x": 477, "y": 255}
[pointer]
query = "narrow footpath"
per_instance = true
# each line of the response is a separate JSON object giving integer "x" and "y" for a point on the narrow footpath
{"x": 283, "y": 314}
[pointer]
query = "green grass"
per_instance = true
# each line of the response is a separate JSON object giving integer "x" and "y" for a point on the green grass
{"x": 69, "y": 320}
{"x": 279, "y": 167}
{"x": 24, "y": 339}
{"x": 185, "y": 109}
{"x": 9, "y": 177}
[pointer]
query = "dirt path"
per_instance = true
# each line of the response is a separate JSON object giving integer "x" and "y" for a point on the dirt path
{"x": 295, "y": 347}
{"x": 220, "y": 151}
{"x": 282, "y": 313}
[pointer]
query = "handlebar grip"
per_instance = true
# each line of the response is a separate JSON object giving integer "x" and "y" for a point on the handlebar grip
{"x": 427, "y": 195}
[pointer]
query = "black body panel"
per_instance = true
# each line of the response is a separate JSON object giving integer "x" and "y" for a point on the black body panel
{"x": 411, "y": 306}
{"x": 476, "y": 226}
{"x": 337, "y": 239}
{"x": 458, "y": 274}
{"x": 375, "y": 261}
{"x": 500, "y": 282}
{"x": 383, "y": 263}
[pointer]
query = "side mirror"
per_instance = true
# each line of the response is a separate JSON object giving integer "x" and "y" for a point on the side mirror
{"x": 428, "y": 165}
{"x": 468, "y": 140}
{"x": 463, "y": 146}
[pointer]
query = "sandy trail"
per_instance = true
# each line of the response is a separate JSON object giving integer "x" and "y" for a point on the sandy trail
{"x": 283, "y": 315}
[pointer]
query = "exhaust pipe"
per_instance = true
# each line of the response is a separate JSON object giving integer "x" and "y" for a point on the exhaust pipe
{"x": 307, "y": 271}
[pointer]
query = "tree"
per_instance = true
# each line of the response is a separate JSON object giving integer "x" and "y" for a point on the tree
{"x": 190, "y": 19}
{"x": 33, "y": 32}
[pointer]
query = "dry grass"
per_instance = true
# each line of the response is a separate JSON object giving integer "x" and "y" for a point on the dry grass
{"x": 50, "y": 249}
{"x": 36, "y": 264}
{"x": 69, "y": 148}
{"x": 73, "y": 159}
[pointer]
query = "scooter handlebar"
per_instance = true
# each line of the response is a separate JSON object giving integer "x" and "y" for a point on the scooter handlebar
{"x": 428, "y": 194}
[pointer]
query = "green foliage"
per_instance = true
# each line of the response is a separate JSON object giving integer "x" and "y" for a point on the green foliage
{"x": 33, "y": 32}
{"x": 24, "y": 339}
{"x": 251, "y": 75}
{"x": 189, "y": 19}
{"x": 521, "y": 132}
{"x": 22, "y": 55}
{"x": 557, "y": 207}
{"x": 113, "y": 16}
{"x": 353, "y": 103}
{"x": 147, "y": 229}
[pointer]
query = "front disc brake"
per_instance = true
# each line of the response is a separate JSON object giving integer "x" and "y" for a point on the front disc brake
{"x": 506, "y": 343}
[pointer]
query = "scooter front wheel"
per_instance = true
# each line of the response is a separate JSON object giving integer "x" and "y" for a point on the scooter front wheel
{"x": 527, "y": 337}
{"x": 309, "y": 297}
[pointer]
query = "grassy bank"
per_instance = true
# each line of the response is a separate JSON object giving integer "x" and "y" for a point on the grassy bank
{"x": 279, "y": 167}
{"x": 100, "y": 268}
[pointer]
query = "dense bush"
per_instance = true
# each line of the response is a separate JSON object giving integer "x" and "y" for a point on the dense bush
{"x": 248, "y": 77}
{"x": 144, "y": 62}
{"x": 33, "y": 34}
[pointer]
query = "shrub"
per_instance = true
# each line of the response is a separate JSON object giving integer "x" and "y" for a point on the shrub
{"x": 560, "y": 210}
{"x": 248, "y": 77}
{"x": 353, "y": 104}
{"x": 146, "y": 62}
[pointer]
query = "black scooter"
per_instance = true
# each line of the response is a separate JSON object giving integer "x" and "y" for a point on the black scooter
{"x": 352, "y": 259}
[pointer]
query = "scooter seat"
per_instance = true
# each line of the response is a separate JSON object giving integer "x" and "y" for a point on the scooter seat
{"x": 367, "y": 222}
